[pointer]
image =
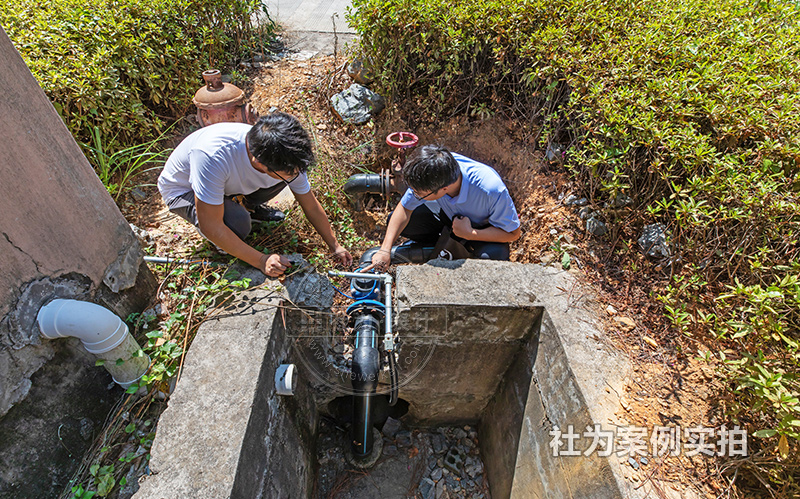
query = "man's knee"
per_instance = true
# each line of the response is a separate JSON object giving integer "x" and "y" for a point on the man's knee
{"x": 237, "y": 219}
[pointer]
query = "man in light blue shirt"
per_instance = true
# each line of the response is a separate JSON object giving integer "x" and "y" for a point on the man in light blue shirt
{"x": 470, "y": 199}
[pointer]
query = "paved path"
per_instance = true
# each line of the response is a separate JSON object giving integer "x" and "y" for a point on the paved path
{"x": 312, "y": 25}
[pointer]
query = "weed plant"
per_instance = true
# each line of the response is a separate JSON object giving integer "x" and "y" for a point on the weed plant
{"x": 125, "y": 67}
{"x": 691, "y": 108}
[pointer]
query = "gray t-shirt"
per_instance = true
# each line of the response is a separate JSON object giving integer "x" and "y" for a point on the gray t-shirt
{"x": 213, "y": 162}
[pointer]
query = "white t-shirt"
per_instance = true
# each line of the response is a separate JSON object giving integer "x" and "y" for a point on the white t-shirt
{"x": 213, "y": 162}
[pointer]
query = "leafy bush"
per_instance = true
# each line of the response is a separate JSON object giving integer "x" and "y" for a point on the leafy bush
{"x": 690, "y": 108}
{"x": 123, "y": 66}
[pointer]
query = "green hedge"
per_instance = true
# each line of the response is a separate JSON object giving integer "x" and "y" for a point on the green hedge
{"x": 125, "y": 65}
{"x": 692, "y": 108}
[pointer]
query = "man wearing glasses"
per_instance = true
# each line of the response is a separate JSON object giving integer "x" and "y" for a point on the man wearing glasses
{"x": 221, "y": 161}
{"x": 470, "y": 199}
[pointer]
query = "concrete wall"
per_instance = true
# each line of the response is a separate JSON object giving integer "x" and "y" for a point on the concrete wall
{"x": 61, "y": 235}
{"x": 226, "y": 432}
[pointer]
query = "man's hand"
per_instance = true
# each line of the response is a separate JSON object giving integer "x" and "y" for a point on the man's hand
{"x": 342, "y": 256}
{"x": 275, "y": 265}
{"x": 462, "y": 227}
{"x": 380, "y": 261}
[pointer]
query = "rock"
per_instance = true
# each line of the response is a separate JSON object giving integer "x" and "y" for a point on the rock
{"x": 634, "y": 463}
{"x": 473, "y": 467}
{"x": 452, "y": 483}
{"x": 360, "y": 72}
{"x": 338, "y": 348}
{"x": 620, "y": 201}
{"x": 427, "y": 488}
{"x": 439, "y": 443}
{"x": 459, "y": 434}
{"x": 625, "y": 323}
{"x": 573, "y": 200}
{"x": 404, "y": 438}
{"x": 466, "y": 442}
{"x": 138, "y": 194}
{"x": 309, "y": 289}
{"x": 596, "y": 227}
{"x": 643, "y": 460}
{"x": 357, "y": 104}
{"x": 391, "y": 427}
{"x": 548, "y": 258}
{"x": 585, "y": 213}
{"x": 555, "y": 153}
{"x": 653, "y": 241}
{"x": 436, "y": 474}
{"x": 390, "y": 450}
{"x": 440, "y": 489}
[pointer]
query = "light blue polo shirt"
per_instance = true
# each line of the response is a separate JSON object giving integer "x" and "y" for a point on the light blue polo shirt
{"x": 483, "y": 197}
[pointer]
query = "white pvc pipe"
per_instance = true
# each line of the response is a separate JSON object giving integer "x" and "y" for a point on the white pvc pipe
{"x": 101, "y": 332}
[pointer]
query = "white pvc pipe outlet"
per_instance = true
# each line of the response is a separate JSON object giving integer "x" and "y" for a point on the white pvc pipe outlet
{"x": 285, "y": 381}
{"x": 101, "y": 332}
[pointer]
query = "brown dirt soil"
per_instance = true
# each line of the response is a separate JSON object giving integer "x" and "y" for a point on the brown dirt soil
{"x": 669, "y": 386}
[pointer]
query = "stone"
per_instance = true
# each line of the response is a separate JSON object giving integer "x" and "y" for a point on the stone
{"x": 427, "y": 488}
{"x": 621, "y": 201}
{"x": 653, "y": 241}
{"x": 459, "y": 434}
{"x": 473, "y": 467}
{"x": 440, "y": 489}
{"x": 138, "y": 194}
{"x": 555, "y": 153}
{"x": 596, "y": 227}
{"x": 309, "y": 289}
{"x": 634, "y": 463}
{"x": 357, "y": 104}
{"x": 439, "y": 443}
{"x": 436, "y": 474}
{"x": 625, "y": 323}
{"x": 585, "y": 213}
{"x": 390, "y": 450}
{"x": 391, "y": 427}
{"x": 360, "y": 72}
{"x": 467, "y": 442}
{"x": 452, "y": 483}
{"x": 404, "y": 438}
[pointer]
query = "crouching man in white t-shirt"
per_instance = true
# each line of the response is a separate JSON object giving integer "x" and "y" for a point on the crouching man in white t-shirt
{"x": 220, "y": 161}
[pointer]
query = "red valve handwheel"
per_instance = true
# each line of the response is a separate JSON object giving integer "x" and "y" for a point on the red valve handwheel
{"x": 402, "y": 140}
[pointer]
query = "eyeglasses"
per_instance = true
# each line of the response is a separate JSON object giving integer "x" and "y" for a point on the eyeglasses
{"x": 422, "y": 198}
{"x": 287, "y": 182}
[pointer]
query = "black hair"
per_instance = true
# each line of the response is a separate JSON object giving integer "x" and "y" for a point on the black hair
{"x": 279, "y": 142}
{"x": 430, "y": 168}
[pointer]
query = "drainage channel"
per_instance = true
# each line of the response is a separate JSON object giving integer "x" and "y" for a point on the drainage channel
{"x": 422, "y": 463}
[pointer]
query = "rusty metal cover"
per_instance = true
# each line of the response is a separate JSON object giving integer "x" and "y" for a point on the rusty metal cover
{"x": 216, "y": 94}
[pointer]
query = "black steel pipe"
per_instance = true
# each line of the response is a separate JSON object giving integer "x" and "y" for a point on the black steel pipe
{"x": 365, "y": 371}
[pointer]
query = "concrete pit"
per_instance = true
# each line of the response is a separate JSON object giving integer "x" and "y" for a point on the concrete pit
{"x": 494, "y": 356}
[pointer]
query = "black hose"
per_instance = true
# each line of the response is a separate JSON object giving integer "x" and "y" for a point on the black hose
{"x": 405, "y": 253}
{"x": 393, "y": 378}
{"x": 370, "y": 183}
{"x": 365, "y": 371}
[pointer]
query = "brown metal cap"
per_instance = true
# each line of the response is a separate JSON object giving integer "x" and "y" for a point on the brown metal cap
{"x": 216, "y": 94}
